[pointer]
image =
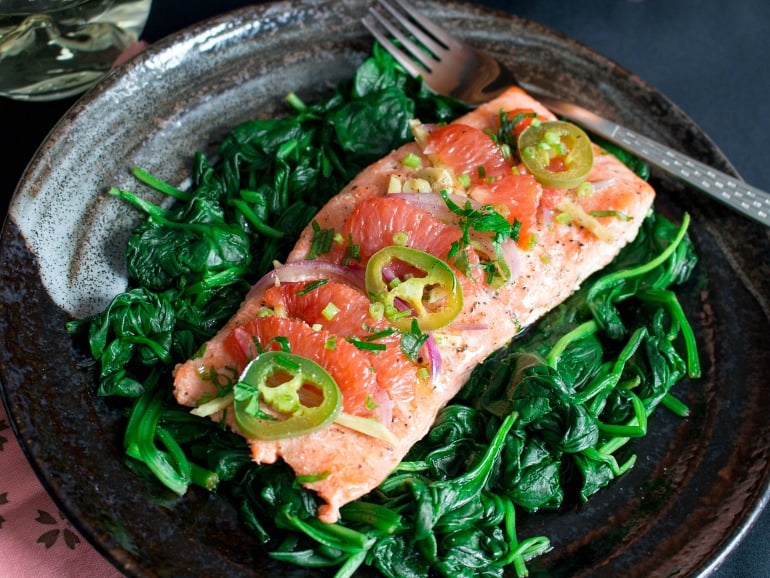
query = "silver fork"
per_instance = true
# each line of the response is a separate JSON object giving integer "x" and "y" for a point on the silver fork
{"x": 449, "y": 66}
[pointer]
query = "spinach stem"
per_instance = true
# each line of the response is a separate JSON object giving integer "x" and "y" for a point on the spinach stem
{"x": 613, "y": 278}
{"x": 675, "y": 405}
{"x": 385, "y": 520}
{"x": 669, "y": 299}
{"x": 636, "y": 428}
{"x": 254, "y": 219}
{"x": 142, "y": 447}
{"x": 159, "y": 185}
{"x": 332, "y": 535}
{"x": 580, "y": 332}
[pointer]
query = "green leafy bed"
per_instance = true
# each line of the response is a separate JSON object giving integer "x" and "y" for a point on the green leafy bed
{"x": 539, "y": 425}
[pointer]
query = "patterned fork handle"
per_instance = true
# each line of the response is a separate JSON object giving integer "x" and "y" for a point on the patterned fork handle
{"x": 746, "y": 199}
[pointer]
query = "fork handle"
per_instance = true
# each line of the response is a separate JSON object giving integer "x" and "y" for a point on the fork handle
{"x": 742, "y": 197}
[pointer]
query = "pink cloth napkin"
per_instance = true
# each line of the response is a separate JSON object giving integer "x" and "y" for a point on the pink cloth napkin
{"x": 36, "y": 540}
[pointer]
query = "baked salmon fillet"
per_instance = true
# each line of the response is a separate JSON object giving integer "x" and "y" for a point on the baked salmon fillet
{"x": 316, "y": 305}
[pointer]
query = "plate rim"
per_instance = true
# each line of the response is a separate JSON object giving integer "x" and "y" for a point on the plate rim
{"x": 209, "y": 24}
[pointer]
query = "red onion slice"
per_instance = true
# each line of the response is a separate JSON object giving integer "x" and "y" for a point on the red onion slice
{"x": 384, "y": 410}
{"x": 434, "y": 204}
{"x": 510, "y": 252}
{"x": 245, "y": 342}
{"x": 434, "y": 357}
{"x": 511, "y": 258}
{"x": 603, "y": 184}
{"x": 310, "y": 270}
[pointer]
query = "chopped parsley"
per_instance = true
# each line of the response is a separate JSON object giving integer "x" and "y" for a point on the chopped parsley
{"x": 412, "y": 341}
{"x": 485, "y": 219}
{"x": 322, "y": 241}
{"x": 312, "y": 287}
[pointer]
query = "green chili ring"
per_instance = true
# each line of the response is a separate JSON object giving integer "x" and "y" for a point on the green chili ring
{"x": 541, "y": 144}
{"x": 412, "y": 291}
{"x": 270, "y": 408}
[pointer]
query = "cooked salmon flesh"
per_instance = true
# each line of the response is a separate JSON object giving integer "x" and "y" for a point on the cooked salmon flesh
{"x": 397, "y": 201}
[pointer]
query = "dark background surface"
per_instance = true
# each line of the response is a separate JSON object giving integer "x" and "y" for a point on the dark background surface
{"x": 707, "y": 56}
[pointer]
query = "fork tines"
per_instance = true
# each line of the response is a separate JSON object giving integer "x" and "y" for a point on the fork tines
{"x": 446, "y": 64}
{"x": 406, "y": 25}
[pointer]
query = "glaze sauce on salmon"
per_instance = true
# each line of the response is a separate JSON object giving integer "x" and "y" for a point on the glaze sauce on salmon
{"x": 394, "y": 202}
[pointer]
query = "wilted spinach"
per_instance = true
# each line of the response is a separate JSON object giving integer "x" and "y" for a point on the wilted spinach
{"x": 538, "y": 424}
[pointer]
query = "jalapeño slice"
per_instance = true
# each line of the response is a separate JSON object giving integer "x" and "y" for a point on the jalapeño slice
{"x": 413, "y": 285}
{"x": 558, "y": 154}
{"x": 282, "y": 395}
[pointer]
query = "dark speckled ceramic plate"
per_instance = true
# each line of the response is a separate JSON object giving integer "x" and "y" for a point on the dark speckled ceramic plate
{"x": 698, "y": 481}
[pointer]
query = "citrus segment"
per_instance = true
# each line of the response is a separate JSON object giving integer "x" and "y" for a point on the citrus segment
{"x": 350, "y": 367}
{"x": 334, "y": 307}
{"x": 493, "y": 179}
